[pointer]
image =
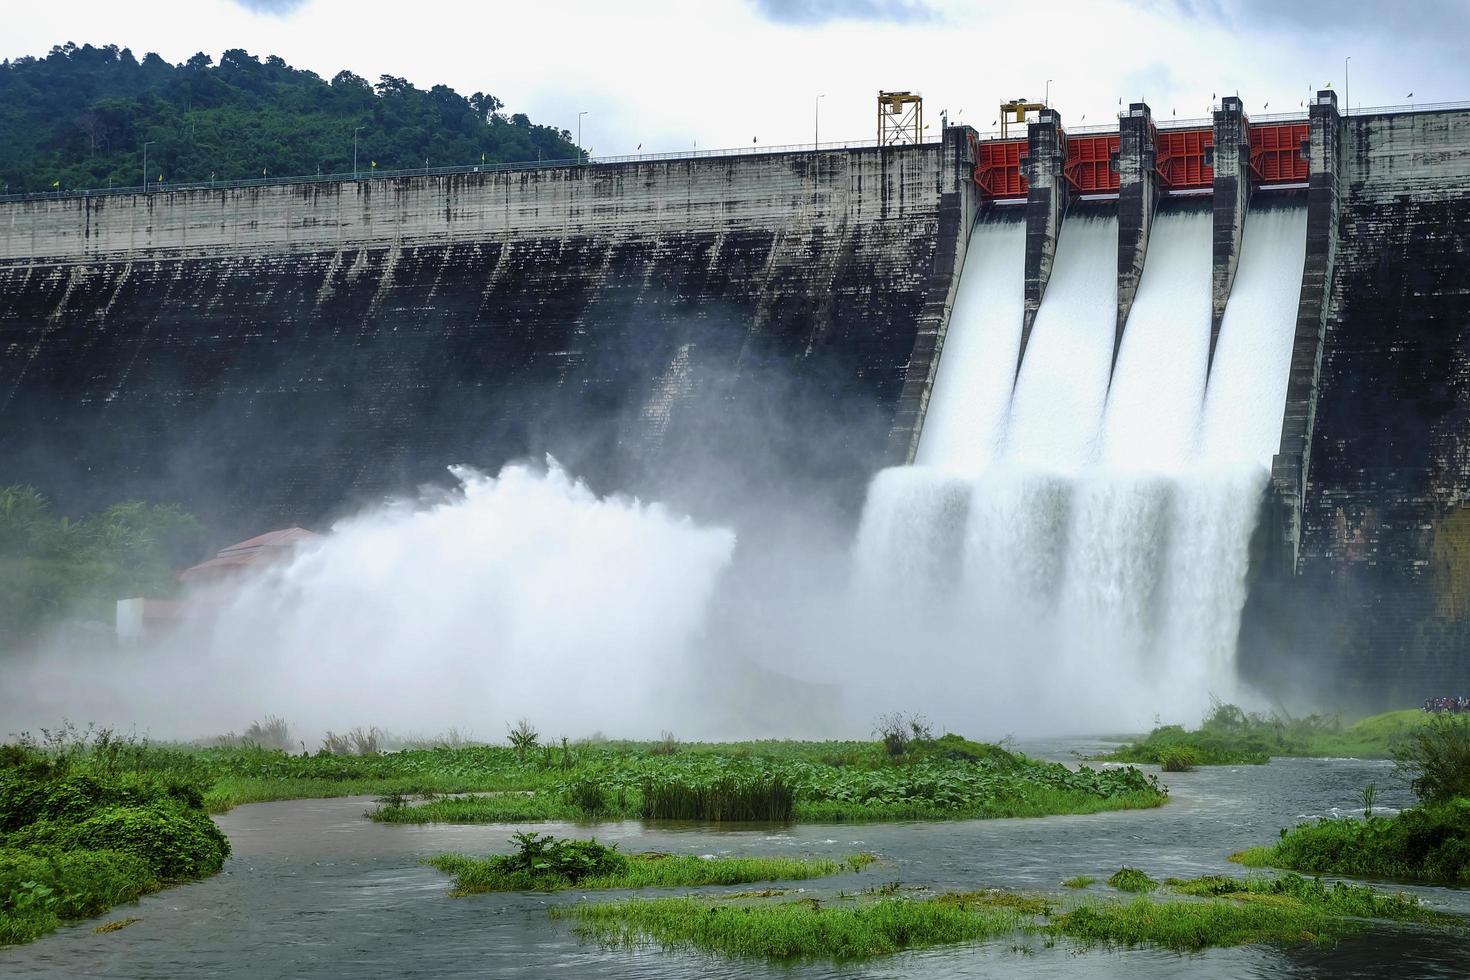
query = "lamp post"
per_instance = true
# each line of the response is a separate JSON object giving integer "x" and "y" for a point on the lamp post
{"x": 581, "y": 157}
{"x": 1347, "y": 92}
{"x": 145, "y": 164}
{"x": 817, "y": 121}
{"x": 354, "y": 150}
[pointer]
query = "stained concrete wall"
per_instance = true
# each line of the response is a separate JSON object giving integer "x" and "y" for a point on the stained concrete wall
{"x": 272, "y": 355}
{"x": 1379, "y": 610}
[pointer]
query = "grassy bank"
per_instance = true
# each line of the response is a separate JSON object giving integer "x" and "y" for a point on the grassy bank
{"x": 1196, "y": 914}
{"x": 828, "y": 782}
{"x": 79, "y": 833}
{"x": 541, "y": 862}
{"x": 1428, "y": 843}
{"x": 1230, "y": 736}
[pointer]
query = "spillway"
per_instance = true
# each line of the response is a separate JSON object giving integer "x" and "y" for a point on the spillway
{"x": 1105, "y": 541}
{"x": 1064, "y": 380}
{"x": 972, "y": 388}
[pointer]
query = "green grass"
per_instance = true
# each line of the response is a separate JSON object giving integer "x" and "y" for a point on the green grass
{"x": 475, "y": 875}
{"x": 1338, "y": 898}
{"x": 1232, "y": 737}
{"x": 1423, "y": 843}
{"x": 793, "y": 930}
{"x": 1204, "y": 912}
{"x": 1079, "y": 882}
{"x": 1189, "y": 926}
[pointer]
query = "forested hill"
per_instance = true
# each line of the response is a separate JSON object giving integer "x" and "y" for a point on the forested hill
{"x": 79, "y": 117}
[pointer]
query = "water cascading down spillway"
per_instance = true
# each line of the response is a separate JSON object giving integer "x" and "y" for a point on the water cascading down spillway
{"x": 1103, "y": 522}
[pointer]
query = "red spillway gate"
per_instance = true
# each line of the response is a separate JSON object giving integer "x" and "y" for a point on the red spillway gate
{"x": 1091, "y": 166}
{"x": 1184, "y": 160}
{"x": 1277, "y": 155}
{"x": 998, "y": 169}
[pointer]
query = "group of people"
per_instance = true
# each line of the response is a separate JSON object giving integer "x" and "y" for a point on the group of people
{"x": 1447, "y": 706}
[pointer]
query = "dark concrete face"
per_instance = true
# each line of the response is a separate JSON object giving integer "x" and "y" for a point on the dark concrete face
{"x": 1379, "y": 612}
{"x": 263, "y": 392}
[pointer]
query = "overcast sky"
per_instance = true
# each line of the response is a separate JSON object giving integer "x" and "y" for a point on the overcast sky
{"x": 672, "y": 73}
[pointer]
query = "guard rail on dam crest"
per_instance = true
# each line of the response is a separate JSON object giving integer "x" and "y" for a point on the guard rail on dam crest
{"x": 458, "y": 314}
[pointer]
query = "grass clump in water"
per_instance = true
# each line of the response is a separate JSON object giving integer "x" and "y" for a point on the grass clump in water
{"x": 1132, "y": 880}
{"x": 546, "y": 863}
{"x": 792, "y": 930}
{"x": 1079, "y": 882}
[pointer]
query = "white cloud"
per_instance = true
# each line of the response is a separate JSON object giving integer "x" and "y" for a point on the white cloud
{"x": 669, "y": 74}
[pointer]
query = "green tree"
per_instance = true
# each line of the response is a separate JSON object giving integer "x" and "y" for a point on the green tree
{"x": 81, "y": 115}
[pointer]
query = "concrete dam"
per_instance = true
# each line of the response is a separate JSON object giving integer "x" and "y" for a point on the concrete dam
{"x": 1194, "y": 388}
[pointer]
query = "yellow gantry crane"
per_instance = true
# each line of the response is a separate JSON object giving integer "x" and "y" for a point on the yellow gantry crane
{"x": 1015, "y": 111}
{"x": 900, "y": 118}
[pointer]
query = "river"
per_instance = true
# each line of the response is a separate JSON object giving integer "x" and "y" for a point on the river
{"x": 315, "y": 890}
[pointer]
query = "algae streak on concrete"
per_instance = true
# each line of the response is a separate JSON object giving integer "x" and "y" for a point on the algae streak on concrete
{"x": 270, "y": 355}
{"x": 1379, "y": 612}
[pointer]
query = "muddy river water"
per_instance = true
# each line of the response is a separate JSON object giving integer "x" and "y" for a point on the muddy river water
{"x": 315, "y": 890}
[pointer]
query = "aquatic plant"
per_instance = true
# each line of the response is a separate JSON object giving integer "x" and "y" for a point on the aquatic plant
{"x": 1079, "y": 882}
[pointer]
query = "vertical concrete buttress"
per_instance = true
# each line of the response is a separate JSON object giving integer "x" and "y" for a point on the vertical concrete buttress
{"x": 1046, "y": 204}
{"x": 1138, "y": 194}
{"x": 1232, "y": 197}
{"x": 1289, "y": 468}
{"x": 959, "y": 204}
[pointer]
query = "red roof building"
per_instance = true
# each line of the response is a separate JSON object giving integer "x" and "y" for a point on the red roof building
{"x": 263, "y": 549}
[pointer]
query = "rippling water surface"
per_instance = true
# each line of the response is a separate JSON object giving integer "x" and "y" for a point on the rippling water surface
{"x": 314, "y": 890}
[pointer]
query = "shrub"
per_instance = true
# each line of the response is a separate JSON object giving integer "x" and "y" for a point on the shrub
{"x": 1436, "y": 759}
{"x": 1177, "y": 759}
{"x": 175, "y": 841}
{"x": 1423, "y": 843}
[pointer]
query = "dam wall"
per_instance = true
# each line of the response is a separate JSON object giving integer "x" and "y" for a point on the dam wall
{"x": 274, "y": 355}
{"x": 1378, "y": 609}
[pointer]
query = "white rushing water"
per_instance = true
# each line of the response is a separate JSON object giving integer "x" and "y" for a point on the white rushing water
{"x": 1106, "y": 536}
{"x": 972, "y": 389}
{"x": 1064, "y": 377}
